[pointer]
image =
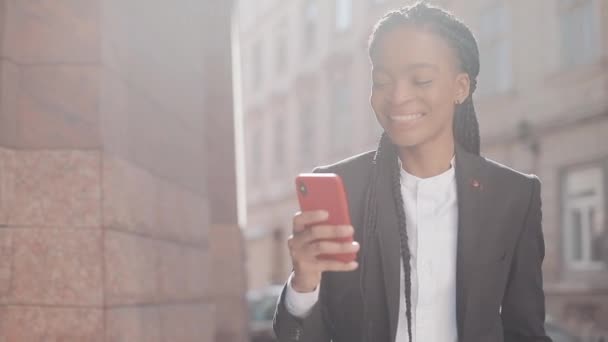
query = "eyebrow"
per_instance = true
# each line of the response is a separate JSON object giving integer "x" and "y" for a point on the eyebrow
{"x": 409, "y": 67}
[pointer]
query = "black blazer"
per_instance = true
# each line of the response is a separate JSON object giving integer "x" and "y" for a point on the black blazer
{"x": 499, "y": 256}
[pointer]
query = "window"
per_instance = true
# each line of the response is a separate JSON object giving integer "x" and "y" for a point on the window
{"x": 311, "y": 13}
{"x": 495, "y": 50}
{"x": 344, "y": 14}
{"x": 279, "y": 141}
{"x": 281, "y": 57}
{"x": 256, "y": 161}
{"x": 256, "y": 65}
{"x": 580, "y": 41}
{"x": 281, "y": 47}
{"x": 585, "y": 235}
{"x": 307, "y": 120}
{"x": 340, "y": 117}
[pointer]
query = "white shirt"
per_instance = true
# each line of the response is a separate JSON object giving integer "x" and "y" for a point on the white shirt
{"x": 431, "y": 211}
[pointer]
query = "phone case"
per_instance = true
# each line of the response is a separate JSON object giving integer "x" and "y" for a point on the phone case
{"x": 325, "y": 191}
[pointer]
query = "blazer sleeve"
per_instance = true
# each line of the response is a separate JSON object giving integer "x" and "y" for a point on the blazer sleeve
{"x": 523, "y": 307}
{"x": 289, "y": 328}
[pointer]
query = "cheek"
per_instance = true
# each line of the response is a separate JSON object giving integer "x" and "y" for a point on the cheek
{"x": 376, "y": 102}
{"x": 440, "y": 100}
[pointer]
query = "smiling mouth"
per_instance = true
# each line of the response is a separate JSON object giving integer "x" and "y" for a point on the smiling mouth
{"x": 406, "y": 118}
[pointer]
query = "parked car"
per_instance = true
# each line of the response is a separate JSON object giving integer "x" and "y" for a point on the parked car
{"x": 262, "y": 304}
{"x": 558, "y": 334}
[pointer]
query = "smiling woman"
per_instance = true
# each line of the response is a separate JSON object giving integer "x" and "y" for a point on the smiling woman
{"x": 422, "y": 81}
{"x": 451, "y": 243}
{"x": 414, "y": 91}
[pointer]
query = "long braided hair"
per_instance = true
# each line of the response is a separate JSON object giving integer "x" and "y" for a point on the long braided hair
{"x": 465, "y": 126}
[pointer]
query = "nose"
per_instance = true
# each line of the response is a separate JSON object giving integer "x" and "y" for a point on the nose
{"x": 401, "y": 93}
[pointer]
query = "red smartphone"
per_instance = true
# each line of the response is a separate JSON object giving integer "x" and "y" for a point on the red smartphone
{"x": 325, "y": 191}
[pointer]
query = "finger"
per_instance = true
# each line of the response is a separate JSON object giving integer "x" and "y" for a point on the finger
{"x": 324, "y": 232}
{"x": 329, "y": 232}
{"x": 338, "y": 266}
{"x": 298, "y": 229}
{"x": 295, "y": 244}
{"x": 307, "y": 218}
{"x": 329, "y": 247}
{"x": 320, "y": 232}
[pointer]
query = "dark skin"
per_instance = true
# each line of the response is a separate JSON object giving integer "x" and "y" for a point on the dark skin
{"x": 415, "y": 90}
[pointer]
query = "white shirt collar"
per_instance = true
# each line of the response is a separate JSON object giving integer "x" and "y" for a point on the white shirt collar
{"x": 441, "y": 180}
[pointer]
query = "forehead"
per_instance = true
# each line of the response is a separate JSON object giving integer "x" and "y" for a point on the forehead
{"x": 408, "y": 45}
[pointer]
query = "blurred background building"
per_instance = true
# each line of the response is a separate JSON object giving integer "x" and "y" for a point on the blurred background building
{"x": 542, "y": 103}
{"x": 119, "y": 216}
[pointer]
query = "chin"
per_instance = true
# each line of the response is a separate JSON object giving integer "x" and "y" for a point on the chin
{"x": 406, "y": 139}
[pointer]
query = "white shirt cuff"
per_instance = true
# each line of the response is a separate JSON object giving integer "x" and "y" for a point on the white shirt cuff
{"x": 297, "y": 303}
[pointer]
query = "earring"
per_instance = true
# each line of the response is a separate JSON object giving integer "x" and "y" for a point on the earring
{"x": 457, "y": 101}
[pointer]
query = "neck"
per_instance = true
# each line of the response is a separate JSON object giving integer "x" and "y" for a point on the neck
{"x": 427, "y": 160}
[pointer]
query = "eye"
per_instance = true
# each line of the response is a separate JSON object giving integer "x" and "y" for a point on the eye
{"x": 381, "y": 84}
{"x": 422, "y": 83}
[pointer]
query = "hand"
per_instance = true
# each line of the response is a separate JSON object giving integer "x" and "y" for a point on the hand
{"x": 308, "y": 241}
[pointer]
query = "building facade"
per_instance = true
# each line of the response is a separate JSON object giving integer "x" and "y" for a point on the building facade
{"x": 114, "y": 224}
{"x": 542, "y": 102}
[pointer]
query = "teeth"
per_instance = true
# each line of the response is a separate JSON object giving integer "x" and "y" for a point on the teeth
{"x": 406, "y": 117}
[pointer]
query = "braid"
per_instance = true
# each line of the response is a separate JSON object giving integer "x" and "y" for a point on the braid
{"x": 386, "y": 153}
{"x": 460, "y": 38}
{"x": 403, "y": 238}
{"x": 369, "y": 230}
{"x": 466, "y": 127}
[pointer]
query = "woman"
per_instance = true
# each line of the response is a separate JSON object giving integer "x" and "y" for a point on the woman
{"x": 451, "y": 243}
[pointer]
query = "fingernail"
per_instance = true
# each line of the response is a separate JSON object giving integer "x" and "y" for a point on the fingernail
{"x": 324, "y": 214}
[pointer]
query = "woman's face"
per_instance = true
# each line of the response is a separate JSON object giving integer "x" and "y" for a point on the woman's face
{"x": 416, "y": 81}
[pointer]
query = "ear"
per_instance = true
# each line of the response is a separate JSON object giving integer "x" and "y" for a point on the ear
{"x": 462, "y": 87}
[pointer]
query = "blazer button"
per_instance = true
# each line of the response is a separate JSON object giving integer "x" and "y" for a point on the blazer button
{"x": 297, "y": 334}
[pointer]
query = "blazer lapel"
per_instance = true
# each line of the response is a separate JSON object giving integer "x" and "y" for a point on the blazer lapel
{"x": 390, "y": 246}
{"x": 470, "y": 179}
